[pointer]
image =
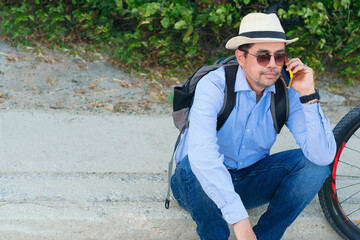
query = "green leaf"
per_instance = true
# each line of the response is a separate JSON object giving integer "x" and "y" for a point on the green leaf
{"x": 186, "y": 39}
{"x": 31, "y": 17}
{"x": 180, "y": 24}
{"x": 119, "y": 4}
{"x": 229, "y": 19}
{"x": 345, "y": 3}
{"x": 165, "y": 22}
{"x": 246, "y": 2}
{"x": 68, "y": 18}
{"x": 292, "y": 33}
{"x": 195, "y": 38}
{"x": 189, "y": 31}
{"x": 151, "y": 9}
{"x": 320, "y": 6}
{"x": 145, "y": 44}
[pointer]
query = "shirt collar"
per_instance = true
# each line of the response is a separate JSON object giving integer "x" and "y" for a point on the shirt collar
{"x": 242, "y": 85}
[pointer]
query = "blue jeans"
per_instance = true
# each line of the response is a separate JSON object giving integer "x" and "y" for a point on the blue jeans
{"x": 287, "y": 181}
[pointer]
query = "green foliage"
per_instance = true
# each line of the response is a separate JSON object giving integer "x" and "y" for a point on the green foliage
{"x": 329, "y": 36}
{"x": 180, "y": 35}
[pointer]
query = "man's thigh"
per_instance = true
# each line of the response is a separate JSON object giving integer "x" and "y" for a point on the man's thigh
{"x": 257, "y": 184}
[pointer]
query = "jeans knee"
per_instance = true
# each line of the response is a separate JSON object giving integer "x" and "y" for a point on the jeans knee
{"x": 311, "y": 175}
{"x": 313, "y": 170}
{"x": 317, "y": 174}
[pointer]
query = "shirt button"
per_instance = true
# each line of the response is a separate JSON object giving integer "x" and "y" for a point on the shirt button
{"x": 243, "y": 146}
{"x": 248, "y": 130}
{"x": 240, "y": 163}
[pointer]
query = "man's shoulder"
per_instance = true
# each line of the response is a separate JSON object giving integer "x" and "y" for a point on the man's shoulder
{"x": 214, "y": 78}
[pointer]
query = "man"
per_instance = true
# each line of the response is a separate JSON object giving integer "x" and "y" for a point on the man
{"x": 221, "y": 174}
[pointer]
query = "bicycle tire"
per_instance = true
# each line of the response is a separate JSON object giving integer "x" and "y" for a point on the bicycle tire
{"x": 328, "y": 195}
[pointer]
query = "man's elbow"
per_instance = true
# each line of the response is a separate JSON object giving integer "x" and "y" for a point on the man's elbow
{"x": 324, "y": 159}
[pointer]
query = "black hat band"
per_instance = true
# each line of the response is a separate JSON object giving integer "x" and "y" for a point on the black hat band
{"x": 264, "y": 34}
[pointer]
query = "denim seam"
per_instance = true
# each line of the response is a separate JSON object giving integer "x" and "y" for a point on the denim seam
{"x": 190, "y": 205}
{"x": 179, "y": 200}
{"x": 259, "y": 172}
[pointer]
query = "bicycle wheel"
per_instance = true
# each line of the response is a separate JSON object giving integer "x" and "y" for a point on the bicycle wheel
{"x": 340, "y": 195}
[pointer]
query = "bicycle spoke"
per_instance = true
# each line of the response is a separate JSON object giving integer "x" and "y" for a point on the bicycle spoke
{"x": 348, "y": 186}
{"x": 356, "y": 136}
{"x": 352, "y": 149}
{"x": 353, "y": 212}
{"x": 350, "y": 164}
{"x": 346, "y": 176}
{"x": 350, "y": 197}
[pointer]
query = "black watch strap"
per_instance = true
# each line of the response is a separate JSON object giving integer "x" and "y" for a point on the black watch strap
{"x": 307, "y": 98}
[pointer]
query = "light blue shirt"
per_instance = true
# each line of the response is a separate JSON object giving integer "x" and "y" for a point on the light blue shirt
{"x": 246, "y": 137}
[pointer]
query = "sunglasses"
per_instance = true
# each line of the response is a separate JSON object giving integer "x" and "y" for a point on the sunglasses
{"x": 263, "y": 59}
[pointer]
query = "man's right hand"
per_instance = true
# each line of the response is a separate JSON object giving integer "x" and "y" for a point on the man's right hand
{"x": 243, "y": 230}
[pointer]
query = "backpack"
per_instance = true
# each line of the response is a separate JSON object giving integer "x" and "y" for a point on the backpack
{"x": 184, "y": 96}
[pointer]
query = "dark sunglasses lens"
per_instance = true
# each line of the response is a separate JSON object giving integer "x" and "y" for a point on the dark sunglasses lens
{"x": 280, "y": 59}
{"x": 263, "y": 59}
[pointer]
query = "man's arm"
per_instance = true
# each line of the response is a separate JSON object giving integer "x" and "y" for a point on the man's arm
{"x": 310, "y": 127}
{"x": 207, "y": 163}
{"x": 244, "y": 231}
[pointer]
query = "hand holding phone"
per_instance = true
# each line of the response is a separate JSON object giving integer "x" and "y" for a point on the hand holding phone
{"x": 303, "y": 76}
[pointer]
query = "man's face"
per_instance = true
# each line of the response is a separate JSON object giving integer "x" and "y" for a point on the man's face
{"x": 259, "y": 77}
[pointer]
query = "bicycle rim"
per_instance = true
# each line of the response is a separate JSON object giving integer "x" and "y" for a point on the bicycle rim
{"x": 340, "y": 196}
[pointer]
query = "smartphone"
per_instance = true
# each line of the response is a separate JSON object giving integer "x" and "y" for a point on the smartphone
{"x": 286, "y": 76}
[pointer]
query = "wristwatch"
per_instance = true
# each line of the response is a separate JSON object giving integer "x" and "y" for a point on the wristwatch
{"x": 307, "y": 98}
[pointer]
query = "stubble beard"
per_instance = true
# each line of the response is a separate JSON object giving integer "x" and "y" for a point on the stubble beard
{"x": 258, "y": 81}
{"x": 266, "y": 82}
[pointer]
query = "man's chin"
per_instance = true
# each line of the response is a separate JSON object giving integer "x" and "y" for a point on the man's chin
{"x": 269, "y": 81}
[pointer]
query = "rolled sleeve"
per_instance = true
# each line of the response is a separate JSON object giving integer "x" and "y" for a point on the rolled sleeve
{"x": 234, "y": 212}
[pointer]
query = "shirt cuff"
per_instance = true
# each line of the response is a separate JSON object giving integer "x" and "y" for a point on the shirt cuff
{"x": 234, "y": 212}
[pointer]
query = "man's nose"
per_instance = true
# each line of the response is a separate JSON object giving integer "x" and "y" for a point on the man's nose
{"x": 272, "y": 62}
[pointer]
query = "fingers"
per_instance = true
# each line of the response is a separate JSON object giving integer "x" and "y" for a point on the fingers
{"x": 295, "y": 65}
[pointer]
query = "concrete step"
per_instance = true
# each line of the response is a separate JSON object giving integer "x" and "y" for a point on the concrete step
{"x": 111, "y": 206}
{"x": 82, "y": 187}
{"x": 127, "y": 220}
{"x": 68, "y": 142}
{"x": 82, "y": 176}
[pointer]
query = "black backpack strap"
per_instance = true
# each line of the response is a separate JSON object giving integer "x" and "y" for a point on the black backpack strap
{"x": 230, "y": 95}
{"x": 280, "y": 105}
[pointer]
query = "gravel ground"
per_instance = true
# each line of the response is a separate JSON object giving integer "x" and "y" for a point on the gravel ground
{"x": 48, "y": 80}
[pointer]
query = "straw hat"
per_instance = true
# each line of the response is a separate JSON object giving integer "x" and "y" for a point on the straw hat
{"x": 259, "y": 28}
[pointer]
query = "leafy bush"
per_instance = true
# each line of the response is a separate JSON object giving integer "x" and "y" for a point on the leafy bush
{"x": 329, "y": 36}
{"x": 178, "y": 35}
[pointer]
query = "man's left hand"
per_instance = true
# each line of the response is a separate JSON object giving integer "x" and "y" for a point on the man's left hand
{"x": 303, "y": 81}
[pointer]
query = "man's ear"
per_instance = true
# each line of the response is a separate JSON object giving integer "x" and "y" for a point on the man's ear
{"x": 240, "y": 57}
